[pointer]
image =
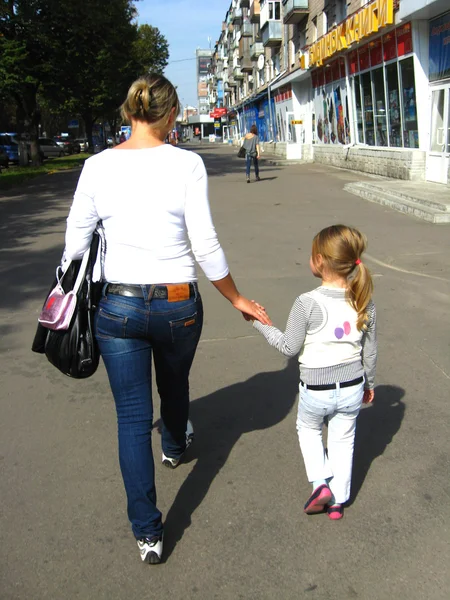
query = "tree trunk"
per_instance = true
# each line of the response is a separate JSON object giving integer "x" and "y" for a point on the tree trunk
{"x": 28, "y": 109}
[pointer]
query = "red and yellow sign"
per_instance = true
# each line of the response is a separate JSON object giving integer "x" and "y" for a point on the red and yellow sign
{"x": 368, "y": 20}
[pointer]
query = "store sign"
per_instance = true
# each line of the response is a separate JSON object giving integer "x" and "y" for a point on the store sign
{"x": 297, "y": 122}
{"x": 365, "y": 22}
{"x": 440, "y": 48}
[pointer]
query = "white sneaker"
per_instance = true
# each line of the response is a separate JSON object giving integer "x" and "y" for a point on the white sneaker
{"x": 173, "y": 463}
{"x": 151, "y": 549}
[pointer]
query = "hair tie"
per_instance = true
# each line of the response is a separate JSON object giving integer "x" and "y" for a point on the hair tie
{"x": 358, "y": 261}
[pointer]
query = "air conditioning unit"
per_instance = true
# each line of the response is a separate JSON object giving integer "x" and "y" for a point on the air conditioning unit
{"x": 250, "y": 78}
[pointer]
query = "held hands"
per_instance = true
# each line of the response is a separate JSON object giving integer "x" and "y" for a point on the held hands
{"x": 251, "y": 310}
{"x": 368, "y": 396}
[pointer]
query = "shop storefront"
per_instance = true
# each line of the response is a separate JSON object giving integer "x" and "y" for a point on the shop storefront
{"x": 438, "y": 159}
{"x": 257, "y": 113}
{"x": 365, "y": 94}
{"x": 377, "y": 105}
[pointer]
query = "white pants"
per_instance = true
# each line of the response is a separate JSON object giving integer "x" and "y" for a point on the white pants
{"x": 342, "y": 406}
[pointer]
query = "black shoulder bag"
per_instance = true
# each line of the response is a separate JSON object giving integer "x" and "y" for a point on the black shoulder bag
{"x": 74, "y": 351}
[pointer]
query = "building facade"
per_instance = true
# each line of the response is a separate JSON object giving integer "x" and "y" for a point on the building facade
{"x": 359, "y": 84}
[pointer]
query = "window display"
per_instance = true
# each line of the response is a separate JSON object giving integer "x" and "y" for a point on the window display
{"x": 359, "y": 114}
{"x": 410, "y": 127}
{"x": 366, "y": 89}
{"x": 395, "y": 125}
{"x": 380, "y": 108}
{"x": 331, "y": 114}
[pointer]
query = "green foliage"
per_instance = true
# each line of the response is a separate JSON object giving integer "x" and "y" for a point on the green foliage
{"x": 151, "y": 50}
{"x": 79, "y": 56}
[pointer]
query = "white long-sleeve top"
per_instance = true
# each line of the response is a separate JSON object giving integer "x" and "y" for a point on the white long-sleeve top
{"x": 155, "y": 212}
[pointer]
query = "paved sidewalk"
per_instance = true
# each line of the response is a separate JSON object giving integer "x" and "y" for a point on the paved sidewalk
{"x": 235, "y": 527}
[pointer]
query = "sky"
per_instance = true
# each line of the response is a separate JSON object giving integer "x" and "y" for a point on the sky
{"x": 186, "y": 24}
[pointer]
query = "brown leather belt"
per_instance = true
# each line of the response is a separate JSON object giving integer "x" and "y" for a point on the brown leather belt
{"x": 173, "y": 292}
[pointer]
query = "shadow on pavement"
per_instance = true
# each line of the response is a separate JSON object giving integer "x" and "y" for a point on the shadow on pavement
{"x": 377, "y": 425}
{"x": 223, "y": 417}
{"x": 39, "y": 209}
{"x": 29, "y": 213}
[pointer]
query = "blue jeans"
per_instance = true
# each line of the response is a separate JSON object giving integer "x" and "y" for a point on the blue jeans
{"x": 248, "y": 163}
{"x": 129, "y": 331}
{"x": 341, "y": 406}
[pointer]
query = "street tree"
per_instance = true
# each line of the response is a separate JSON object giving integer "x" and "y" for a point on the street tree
{"x": 29, "y": 48}
{"x": 151, "y": 49}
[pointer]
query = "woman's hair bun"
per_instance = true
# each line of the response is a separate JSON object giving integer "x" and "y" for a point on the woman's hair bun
{"x": 151, "y": 98}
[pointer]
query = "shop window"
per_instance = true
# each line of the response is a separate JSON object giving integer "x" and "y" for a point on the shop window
{"x": 410, "y": 128}
{"x": 395, "y": 125}
{"x": 366, "y": 90}
{"x": 359, "y": 112}
{"x": 379, "y": 108}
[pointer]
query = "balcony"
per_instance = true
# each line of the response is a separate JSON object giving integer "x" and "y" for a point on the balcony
{"x": 255, "y": 12}
{"x": 237, "y": 73}
{"x": 246, "y": 29}
{"x": 271, "y": 33}
{"x": 231, "y": 81}
{"x": 294, "y": 11}
{"x": 246, "y": 64}
{"x": 256, "y": 49}
{"x": 237, "y": 16}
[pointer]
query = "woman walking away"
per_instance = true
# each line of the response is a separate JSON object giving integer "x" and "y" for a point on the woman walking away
{"x": 333, "y": 329}
{"x": 252, "y": 152}
{"x": 152, "y": 199}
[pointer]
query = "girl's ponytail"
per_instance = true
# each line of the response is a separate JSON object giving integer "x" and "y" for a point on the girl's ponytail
{"x": 360, "y": 289}
{"x": 341, "y": 248}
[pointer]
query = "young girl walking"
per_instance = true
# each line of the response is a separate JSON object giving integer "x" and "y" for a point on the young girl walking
{"x": 333, "y": 330}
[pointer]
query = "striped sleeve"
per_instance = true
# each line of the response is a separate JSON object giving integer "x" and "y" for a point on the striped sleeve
{"x": 369, "y": 348}
{"x": 305, "y": 315}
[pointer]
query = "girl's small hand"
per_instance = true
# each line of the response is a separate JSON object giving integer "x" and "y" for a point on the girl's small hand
{"x": 251, "y": 310}
{"x": 368, "y": 396}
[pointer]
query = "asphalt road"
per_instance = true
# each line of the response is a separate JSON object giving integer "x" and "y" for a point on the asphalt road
{"x": 235, "y": 527}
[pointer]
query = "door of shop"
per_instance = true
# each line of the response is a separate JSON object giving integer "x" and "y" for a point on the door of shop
{"x": 293, "y": 137}
{"x": 438, "y": 159}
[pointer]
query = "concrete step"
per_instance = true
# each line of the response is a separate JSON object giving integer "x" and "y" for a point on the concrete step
{"x": 427, "y": 210}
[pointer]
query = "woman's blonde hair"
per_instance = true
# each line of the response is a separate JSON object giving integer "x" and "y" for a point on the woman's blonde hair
{"x": 341, "y": 248}
{"x": 151, "y": 99}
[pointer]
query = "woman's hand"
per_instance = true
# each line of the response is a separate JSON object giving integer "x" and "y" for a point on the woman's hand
{"x": 251, "y": 310}
{"x": 368, "y": 396}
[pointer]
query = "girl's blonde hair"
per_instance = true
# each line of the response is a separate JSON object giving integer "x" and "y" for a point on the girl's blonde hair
{"x": 341, "y": 248}
{"x": 151, "y": 99}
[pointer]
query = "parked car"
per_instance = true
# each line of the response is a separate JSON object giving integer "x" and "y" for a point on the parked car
{"x": 4, "y": 159}
{"x": 67, "y": 144}
{"x": 49, "y": 148}
{"x": 83, "y": 143}
{"x": 9, "y": 142}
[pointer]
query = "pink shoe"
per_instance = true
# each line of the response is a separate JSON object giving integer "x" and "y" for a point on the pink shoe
{"x": 335, "y": 512}
{"x": 318, "y": 500}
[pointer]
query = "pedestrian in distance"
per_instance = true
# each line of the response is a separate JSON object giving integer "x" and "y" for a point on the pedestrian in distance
{"x": 152, "y": 199}
{"x": 332, "y": 329}
{"x": 252, "y": 152}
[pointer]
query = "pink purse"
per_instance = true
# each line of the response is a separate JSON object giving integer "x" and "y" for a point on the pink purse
{"x": 59, "y": 307}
